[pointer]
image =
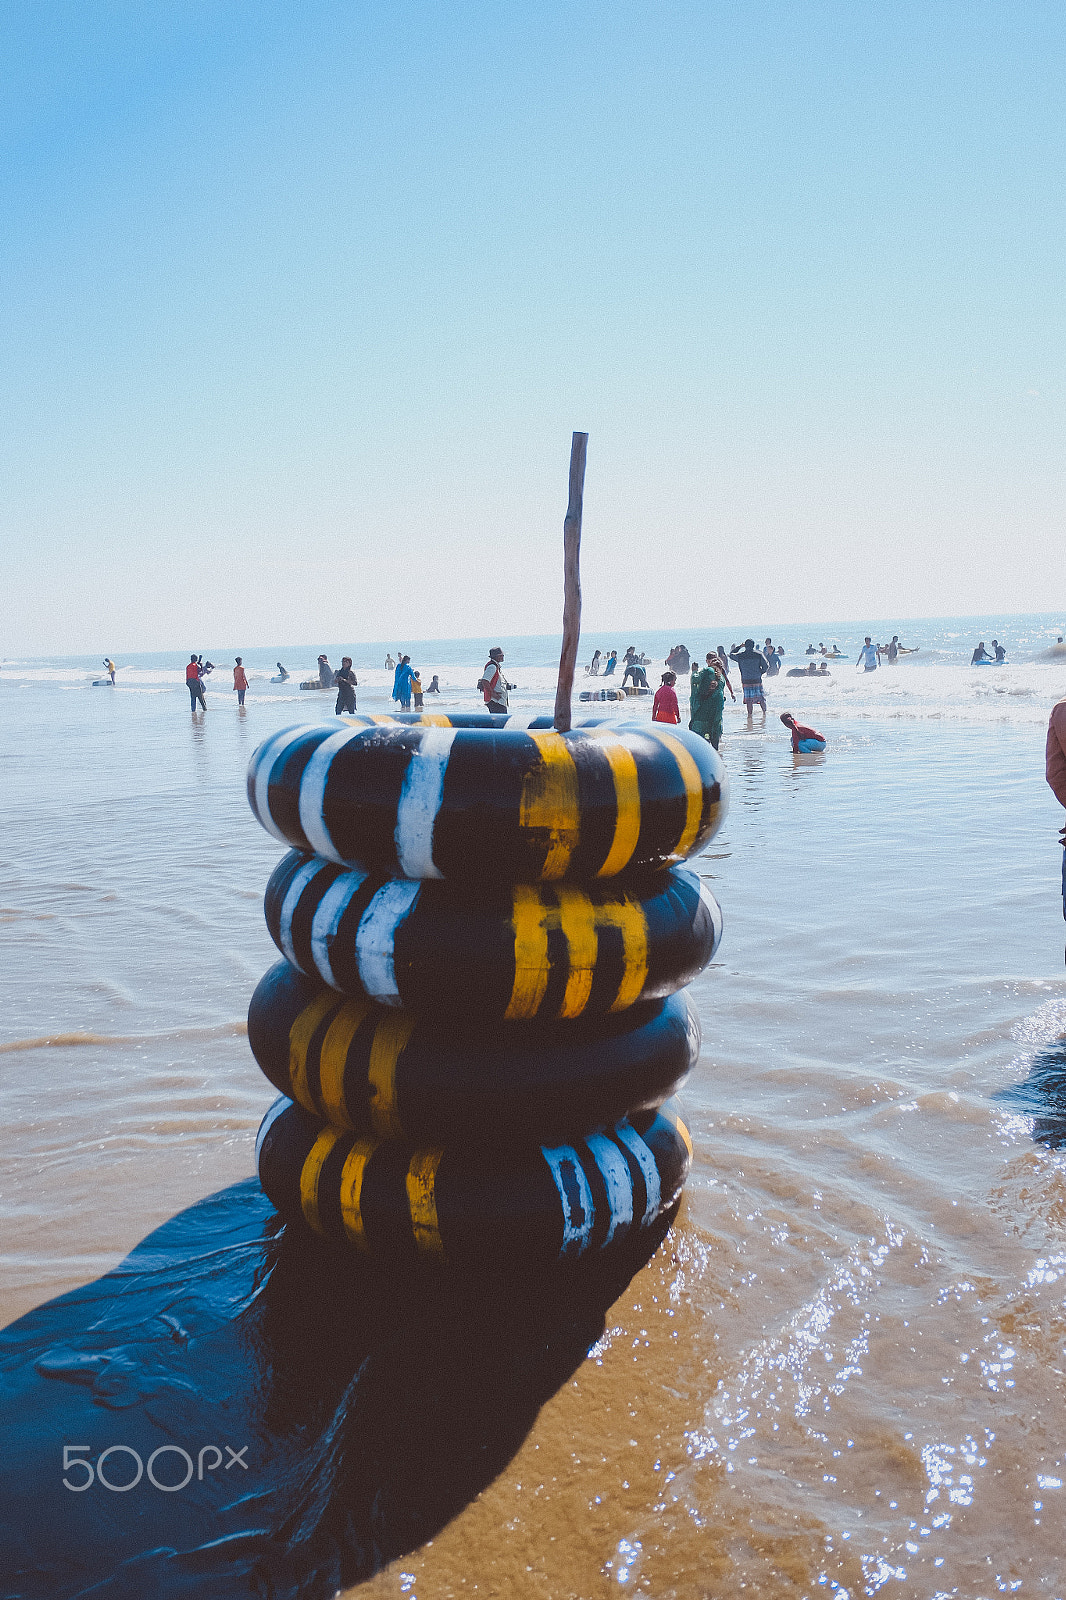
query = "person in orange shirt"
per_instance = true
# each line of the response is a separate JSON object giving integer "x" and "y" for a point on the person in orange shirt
{"x": 1055, "y": 769}
{"x": 240, "y": 682}
{"x": 664, "y": 708}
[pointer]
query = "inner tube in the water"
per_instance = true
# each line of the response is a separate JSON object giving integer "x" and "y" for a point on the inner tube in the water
{"x": 490, "y": 805}
{"x": 368, "y": 1068}
{"x": 478, "y": 1204}
{"x": 527, "y": 950}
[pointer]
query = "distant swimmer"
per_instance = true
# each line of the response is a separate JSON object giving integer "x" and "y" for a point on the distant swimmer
{"x": 868, "y": 656}
{"x": 194, "y": 683}
{"x": 325, "y": 672}
{"x": 240, "y": 681}
{"x": 612, "y": 658}
{"x": 891, "y": 650}
{"x": 594, "y": 665}
{"x": 664, "y": 708}
{"x": 282, "y": 674}
{"x": 1001, "y": 653}
{"x": 110, "y": 668}
{"x": 836, "y": 654}
{"x": 434, "y": 686}
{"x": 812, "y": 650}
{"x": 815, "y": 670}
{"x": 980, "y": 657}
{"x": 390, "y": 665}
{"x": 721, "y": 653}
{"x": 805, "y": 741}
{"x": 347, "y": 683}
{"x": 679, "y": 661}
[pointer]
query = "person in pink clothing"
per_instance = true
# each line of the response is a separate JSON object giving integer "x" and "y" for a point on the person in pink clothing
{"x": 664, "y": 708}
{"x": 240, "y": 682}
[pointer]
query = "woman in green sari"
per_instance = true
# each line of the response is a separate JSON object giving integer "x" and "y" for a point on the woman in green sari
{"x": 707, "y": 700}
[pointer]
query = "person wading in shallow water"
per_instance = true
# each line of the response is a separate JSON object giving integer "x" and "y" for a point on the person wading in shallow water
{"x": 494, "y": 685}
{"x": 194, "y": 683}
{"x": 1055, "y": 767}
{"x": 346, "y": 682}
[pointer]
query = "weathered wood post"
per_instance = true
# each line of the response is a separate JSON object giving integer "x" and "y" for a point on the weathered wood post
{"x": 571, "y": 583}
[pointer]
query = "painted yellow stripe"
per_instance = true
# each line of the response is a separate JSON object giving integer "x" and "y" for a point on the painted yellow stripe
{"x": 530, "y": 922}
{"x": 623, "y": 765}
{"x": 690, "y": 774}
{"x": 351, "y": 1190}
{"x": 384, "y": 718}
{"x": 333, "y": 1058}
{"x": 577, "y": 918}
{"x": 550, "y": 801}
{"x": 422, "y": 1200}
{"x": 390, "y": 1036}
{"x": 629, "y": 917}
{"x": 434, "y": 719}
{"x": 672, "y": 1117}
{"x": 311, "y": 1172}
{"x": 300, "y": 1035}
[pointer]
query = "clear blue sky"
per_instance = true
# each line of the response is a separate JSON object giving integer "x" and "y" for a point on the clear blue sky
{"x": 299, "y": 304}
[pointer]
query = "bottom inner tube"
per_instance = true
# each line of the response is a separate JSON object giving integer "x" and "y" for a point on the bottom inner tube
{"x": 369, "y": 1068}
{"x": 473, "y": 1205}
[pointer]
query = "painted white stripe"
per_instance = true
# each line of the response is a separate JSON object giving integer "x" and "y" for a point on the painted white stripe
{"x": 716, "y": 913}
{"x": 280, "y": 1104}
{"x": 577, "y": 1229}
{"x": 524, "y": 720}
{"x": 313, "y": 792}
{"x": 262, "y": 764}
{"x": 618, "y": 1178}
{"x": 326, "y": 920}
{"x": 288, "y": 907}
{"x": 626, "y": 1134}
{"x": 420, "y": 798}
{"x": 376, "y": 935}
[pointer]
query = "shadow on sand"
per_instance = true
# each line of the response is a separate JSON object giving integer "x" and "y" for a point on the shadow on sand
{"x": 252, "y": 1414}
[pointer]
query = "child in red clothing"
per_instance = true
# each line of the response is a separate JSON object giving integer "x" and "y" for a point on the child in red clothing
{"x": 664, "y": 708}
{"x": 805, "y": 741}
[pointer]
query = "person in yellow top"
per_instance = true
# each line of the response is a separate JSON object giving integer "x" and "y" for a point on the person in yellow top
{"x": 240, "y": 682}
{"x": 110, "y": 667}
{"x": 416, "y": 690}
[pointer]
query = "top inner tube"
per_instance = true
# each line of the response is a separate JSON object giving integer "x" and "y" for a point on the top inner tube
{"x": 490, "y": 805}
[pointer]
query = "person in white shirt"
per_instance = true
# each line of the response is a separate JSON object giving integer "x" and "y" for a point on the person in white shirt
{"x": 868, "y": 656}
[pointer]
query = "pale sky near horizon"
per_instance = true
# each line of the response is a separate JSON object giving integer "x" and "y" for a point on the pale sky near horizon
{"x": 299, "y": 306}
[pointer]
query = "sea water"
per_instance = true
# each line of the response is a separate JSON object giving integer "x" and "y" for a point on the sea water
{"x": 844, "y": 1371}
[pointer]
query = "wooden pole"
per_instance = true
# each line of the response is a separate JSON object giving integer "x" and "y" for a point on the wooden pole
{"x": 571, "y": 583}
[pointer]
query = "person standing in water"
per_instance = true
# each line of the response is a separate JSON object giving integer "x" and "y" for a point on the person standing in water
{"x": 594, "y": 665}
{"x": 752, "y": 664}
{"x": 347, "y": 683}
{"x": 1001, "y": 653}
{"x": 434, "y": 686}
{"x": 194, "y": 683}
{"x": 868, "y": 656}
{"x": 707, "y": 699}
{"x": 608, "y": 670}
{"x": 240, "y": 681}
{"x": 110, "y": 668}
{"x": 401, "y": 684}
{"x": 980, "y": 655}
{"x": 1055, "y": 771}
{"x": 664, "y": 708}
{"x": 494, "y": 685}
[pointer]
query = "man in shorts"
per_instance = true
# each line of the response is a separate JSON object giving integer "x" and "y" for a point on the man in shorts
{"x": 752, "y": 664}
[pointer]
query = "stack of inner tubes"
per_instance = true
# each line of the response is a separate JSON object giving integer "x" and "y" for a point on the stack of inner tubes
{"x": 478, "y": 1026}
